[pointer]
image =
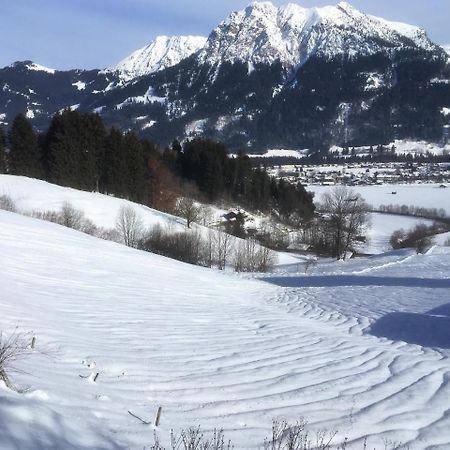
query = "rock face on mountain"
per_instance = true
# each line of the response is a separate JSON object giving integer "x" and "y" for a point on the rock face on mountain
{"x": 286, "y": 77}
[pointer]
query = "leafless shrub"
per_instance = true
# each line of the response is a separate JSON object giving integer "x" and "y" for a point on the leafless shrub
{"x": 109, "y": 235}
{"x": 195, "y": 439}
{"x": 89, "y": 227}
{"x": 12, "y": 348}
{"x": 186, "y": 246}
{"x": 249, "y": 256}
{"x": 7, "y": 203}
{"x": 70, "y": 217}
{"x": 286, "y": 436}
{"x": 48, "y": 216}
{"x": 273, "y": 237}
{"x": 420, "y": 238}
{"x": 283, "y": 436}
{"x": 129, "y": 226}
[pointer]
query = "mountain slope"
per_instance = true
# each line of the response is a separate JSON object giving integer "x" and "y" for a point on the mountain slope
{"x": 161, "y": 53}
{"x": 40, "y": 92}
{"x": 292, "y": 77}
{"x": 263, "y": 33}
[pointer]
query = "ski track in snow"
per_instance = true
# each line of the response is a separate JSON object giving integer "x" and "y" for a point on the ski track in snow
{"x": 214, "y": 349}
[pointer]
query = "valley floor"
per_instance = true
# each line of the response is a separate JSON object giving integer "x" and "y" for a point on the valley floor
{"x": 219, "y": 350}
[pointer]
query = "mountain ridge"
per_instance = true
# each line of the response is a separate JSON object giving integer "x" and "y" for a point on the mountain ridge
{"x": 265, "y": 77}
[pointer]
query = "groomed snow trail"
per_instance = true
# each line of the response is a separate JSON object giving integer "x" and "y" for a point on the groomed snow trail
{"x": 212, "y": 349}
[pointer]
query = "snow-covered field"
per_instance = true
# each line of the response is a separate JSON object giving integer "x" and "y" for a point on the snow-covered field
{"x": 218, "y": 350}
{"x": 382, "y": 227}
{"x": 423, "y": 195}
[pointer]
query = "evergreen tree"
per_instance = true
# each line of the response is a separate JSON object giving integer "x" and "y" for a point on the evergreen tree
{"x": 113, "y": 165}
{"x": 93, "y": 142}
{"x": 75, "y": 143}
{"x": 24, "y": 153}
{"x": 136, "y": 168}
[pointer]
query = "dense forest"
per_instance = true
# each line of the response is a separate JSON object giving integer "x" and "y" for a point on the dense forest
{"x": 78, "y": 151}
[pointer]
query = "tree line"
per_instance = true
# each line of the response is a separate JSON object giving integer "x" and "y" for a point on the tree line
{"x": 78, "y": 151}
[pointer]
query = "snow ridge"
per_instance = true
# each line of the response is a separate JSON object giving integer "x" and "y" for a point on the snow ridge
{"x": 263, "y": 33}
{"x": 160, "y": 54}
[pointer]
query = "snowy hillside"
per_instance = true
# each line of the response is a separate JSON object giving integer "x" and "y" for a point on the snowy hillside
{"x": 263, "y": 33}
{"x": 31, "y": 195}
{"x": 217, "y": 349}
{"x": 160, "y": 54}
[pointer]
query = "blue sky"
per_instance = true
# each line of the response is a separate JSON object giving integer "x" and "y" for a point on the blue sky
{"x": 97, "y": 33}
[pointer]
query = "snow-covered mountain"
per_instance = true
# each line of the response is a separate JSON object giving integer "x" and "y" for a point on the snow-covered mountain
{"x": 263, "y": 33}
{"x": 446, "y": 48}
{"x": 161, "y": 53}
{"x": 266, "y": 77}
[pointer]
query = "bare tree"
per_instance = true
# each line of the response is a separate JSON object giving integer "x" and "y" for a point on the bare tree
{"x": 129, "y": 226}
{"x": 223, "y": 248}
{"x": 188, "y": 209}
{"x": 250, "y": 256}
{"x": 344, "y": 219}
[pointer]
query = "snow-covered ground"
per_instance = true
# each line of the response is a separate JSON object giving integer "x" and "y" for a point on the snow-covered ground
{"x": 422, "y": 195}
{"x": 382, "y": 227}
{"x": 216, "y": 349}
{"x": 31, "y": 195}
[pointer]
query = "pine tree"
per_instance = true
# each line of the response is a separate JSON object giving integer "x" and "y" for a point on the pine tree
{"x": 136, "y": 169}
{"x": 24, "y": 152}
{"x": 113, "y": 165}
{"x": 75, "y": 143}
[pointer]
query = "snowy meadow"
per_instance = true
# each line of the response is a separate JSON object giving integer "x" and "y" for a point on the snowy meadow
{"x": 360, "y": 348}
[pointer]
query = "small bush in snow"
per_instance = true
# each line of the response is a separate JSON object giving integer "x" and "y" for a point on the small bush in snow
{"x": 186, "y": 246}
{"x": 109, "y": 235}
{"x": 420, "y": 238}
{"x": 294, "y": 436}
{"x": 283, "y": 436}
{"x": 11, "y": 349}
{"x": 7, "y": 203}
{"x": 48, "y": 216}
{"x": 71, "y": 217}
{"x": 194, "y": 439}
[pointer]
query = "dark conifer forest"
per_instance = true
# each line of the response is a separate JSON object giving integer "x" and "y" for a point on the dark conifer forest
{"x": 78, "y": 151}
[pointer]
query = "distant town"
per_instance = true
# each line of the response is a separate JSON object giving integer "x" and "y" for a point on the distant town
{"x": 367, "y": 173}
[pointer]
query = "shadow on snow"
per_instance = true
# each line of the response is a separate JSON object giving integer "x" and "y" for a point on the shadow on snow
{"x": 431, "y": 329}
{"x": 358, "y": 281}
